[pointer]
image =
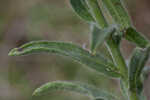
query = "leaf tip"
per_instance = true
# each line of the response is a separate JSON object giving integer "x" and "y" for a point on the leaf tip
{"x": 35, "y": 93}
{"x": 13, "y": 52}
{"x": 38, "y": 91}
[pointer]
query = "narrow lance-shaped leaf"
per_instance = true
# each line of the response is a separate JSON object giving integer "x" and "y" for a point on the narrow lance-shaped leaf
{"x": 85, "y": 89}
{"x": 61, "y": 86}
{"x": 118, "y": 12}
{"x": 100, "y": 35}
{"x": 95, "y": 62}
{"x": 135, "y": 37}
{"x": 81, "y": 8}
{"x": 96, "y": 13}
{"x": 137, "y": 63}
{"x": 106, "y": 13}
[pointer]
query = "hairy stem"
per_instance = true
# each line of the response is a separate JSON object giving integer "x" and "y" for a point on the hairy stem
{"x": 118, "y": 58}
{"x": 120, "y": 62}
{"x": 112, "y": 46}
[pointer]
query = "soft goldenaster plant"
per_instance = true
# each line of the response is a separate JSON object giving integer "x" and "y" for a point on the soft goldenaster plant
{"x": 110, "y": 23}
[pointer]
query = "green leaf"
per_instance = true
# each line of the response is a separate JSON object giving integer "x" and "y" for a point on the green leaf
{"x": 118, "y": 12}
{"x": 97, "y": 13}
{"x": 85, "y": 89}
{"x": 60, "y": 86}
{"x": 98, "y": 93}
{"x": 106, "y": 13}
{"x": 99, "y": 36}
{"x": 77, "y": 53}
{"x": 137, "y": 63}
{"x": 135, "y": 37}
{"x": 81, "y": 8}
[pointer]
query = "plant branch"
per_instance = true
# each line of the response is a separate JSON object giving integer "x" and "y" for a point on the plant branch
{"x": 118, "y": 58}
{"x": 112, "y": 46}
{"x": 133, "y": 96}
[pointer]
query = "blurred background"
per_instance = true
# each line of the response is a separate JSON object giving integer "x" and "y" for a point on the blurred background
{"x": 22, "y": 21}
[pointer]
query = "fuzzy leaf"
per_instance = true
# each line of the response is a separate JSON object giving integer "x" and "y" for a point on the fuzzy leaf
{"x": 99, "y": 36}
{"x": 106, "y": 13}
{"x": 137, "y": 63}
{"x": 135, "y": 37}
{"x": 81, "y": 88}
{"x": 77, "y": 53}
{"x": 97, "y": 13}
{"x": 118, "y": 12}
{"x": 60, "y": 86}
{"x": 81, "y": 8}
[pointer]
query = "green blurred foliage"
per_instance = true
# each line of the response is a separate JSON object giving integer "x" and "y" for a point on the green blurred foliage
{"x": 25, "y": 20}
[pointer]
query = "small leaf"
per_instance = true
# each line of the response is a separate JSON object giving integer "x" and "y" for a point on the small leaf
{"x": 137, "y": 63}
{"x": 97, "y": 13}
{"x": 99, "y": 36}
{"x": 135, "y": 37}
{"x": 77, "y": 53}
{"x": 118, "y": 12}
{"x": 106, "y": 13}
{"x": 60, "y": 86}
{"x": 81, "y": 8}
{"x": 85, "y": 89}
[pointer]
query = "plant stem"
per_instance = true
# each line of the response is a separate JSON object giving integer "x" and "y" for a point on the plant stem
{"x": 113, "y": 47}
{"x": 118, "y": 58}
{"x": 133, "y": 96}
{"x": 120, "y": 62}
